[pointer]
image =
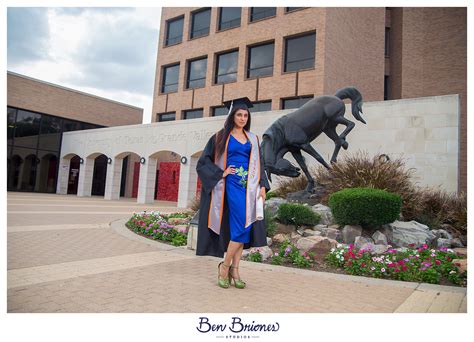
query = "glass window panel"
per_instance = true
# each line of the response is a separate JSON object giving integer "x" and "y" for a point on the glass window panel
{"x": 170, "y": 79}
{"x": 300, "y": 52}
{"x": 162, "y": 117}
{"x": 193, "y": 114}
{"x": 197, "y": 73}
{"x": 261, "y": 60}
{"x": 257, "y": 13}
{"x": 70, "y": 125}
{"x": 27, "y": 129}
{"x": 220, "y": 111}
{"x": 11, "y": 113}
{"x": 227, "y": 67}
{"x": 201, "y": 22}
{"x": 262, "y": 106}
{"x": 289, "y": 9}
{"x": 296, "y": 102}
{"x": 229, "y": 17}
{"x": 46, "y": 171}
{"x": 174, "y": 33}
{"x": 50, "y": 133}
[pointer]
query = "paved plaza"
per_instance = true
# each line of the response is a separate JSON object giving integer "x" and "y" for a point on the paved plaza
{"x": 74, "y": 254}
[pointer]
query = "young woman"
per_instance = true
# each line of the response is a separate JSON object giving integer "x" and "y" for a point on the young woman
{"x": 232, "y": 180}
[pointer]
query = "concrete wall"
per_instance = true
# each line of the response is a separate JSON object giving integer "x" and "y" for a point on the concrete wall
{"x": 424, "y": 131}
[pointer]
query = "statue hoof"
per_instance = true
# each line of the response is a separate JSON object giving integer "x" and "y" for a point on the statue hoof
{"x": 345, "y": 145}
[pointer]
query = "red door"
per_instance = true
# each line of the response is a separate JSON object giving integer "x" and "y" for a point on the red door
{"x": 136, "y": 177}
{"x": 168, "y": 182}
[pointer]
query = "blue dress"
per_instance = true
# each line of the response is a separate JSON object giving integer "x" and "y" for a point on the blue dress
{"x": 238, "y": 154}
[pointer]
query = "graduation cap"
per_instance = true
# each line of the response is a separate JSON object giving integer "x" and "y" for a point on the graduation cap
{"x": 240, "y": 103}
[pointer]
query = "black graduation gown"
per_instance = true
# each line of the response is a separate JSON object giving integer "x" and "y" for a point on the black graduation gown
{"x": 208, "y": 242}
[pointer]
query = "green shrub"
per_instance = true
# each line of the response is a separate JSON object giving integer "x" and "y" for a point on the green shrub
{"x": 270, "y": 223}
{"x": 297, "y": 214}
{"x": 255, "y": 256}
{"x": 365, "y": 206}
{"x": 271, "y": 194}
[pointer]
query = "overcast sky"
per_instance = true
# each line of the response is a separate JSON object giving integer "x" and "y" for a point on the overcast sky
{"x": 108, "y": 52}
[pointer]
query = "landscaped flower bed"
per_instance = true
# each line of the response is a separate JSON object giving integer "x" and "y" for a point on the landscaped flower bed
{"x": 420, "y": 264}
{"x": 171, "y": 228}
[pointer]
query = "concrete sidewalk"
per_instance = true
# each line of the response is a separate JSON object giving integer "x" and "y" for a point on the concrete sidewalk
{"x": 64, "y": 256}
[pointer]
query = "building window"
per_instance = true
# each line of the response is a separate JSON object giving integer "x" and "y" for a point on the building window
{"x": 300, "y": 52}
{"x": 226, "y": 67}
{"x": 11, "y": 118}
{"x": 174, "y": 31}
{"x": 260, "y": 60}
{"x": 261, "y": 106}
{"x": 219, "y": 111}
{"x": 192, "y": 114}
{"x": 291, "y": 9}
{"x": 27, "y": 129}
{"x": 196, "y": 77}
{"x": 257, "y": 13}
{"x": 385, "y": 88}
{"x": 229, "y": 17}
{"x": 170, "y": 79}
{"x": 50, "y": 133}
{"x": 387, "y": 42}
{"x": 295, "y": 102}
{"x": 170, "y": 116}
{"x": 200, "y": 23}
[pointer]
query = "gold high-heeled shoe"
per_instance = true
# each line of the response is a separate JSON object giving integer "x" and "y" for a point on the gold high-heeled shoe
{"x": 222, "y": 282}
{"x": 238, "y": 283}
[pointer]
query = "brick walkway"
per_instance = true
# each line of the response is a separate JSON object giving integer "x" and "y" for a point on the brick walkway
{"x": 64, "y": 256}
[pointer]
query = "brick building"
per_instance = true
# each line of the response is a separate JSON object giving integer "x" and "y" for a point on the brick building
{"x": 282, "y": 57}
{"x": 38, "y": 113}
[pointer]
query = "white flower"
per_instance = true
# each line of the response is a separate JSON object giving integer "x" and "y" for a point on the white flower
{"x": 433, "y": 251}
{"x": 450, "y": 250}
{"x": 332, "y": 250}
{"x": 339, "y": 245}
{"x": 453, "y": 271}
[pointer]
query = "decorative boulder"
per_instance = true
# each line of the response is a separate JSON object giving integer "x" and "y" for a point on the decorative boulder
{"x": 319, "y": 245}
{"x": 349, "y": 233}
{"x": 324, "y": 212}
{"x": 279, "y": 238}
{"x": 443, "y": 243}
{"x": 273, "y": 203}
{"x": 402, "y": 234}
{"x": 265, "y": 251}
{"x": 319, "y": 227}
{"x": 285, "y": 229}
{"x": 456, "y": 242}
{"x": 461, "y": 264}
{"x": 462, "y": 252}
{"x": 441, "y": 233}
{"x": 379, "y": 238}
{"x": 361, "y": 241}
{"x": 379, "y": 249}
{"x": 332, "y": 233}
{"x": 269, "y": 241}
{"x": 310, "y": 232}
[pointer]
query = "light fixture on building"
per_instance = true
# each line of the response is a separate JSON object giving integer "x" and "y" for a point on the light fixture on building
{"x": 184, "y": 160}
{"x": 109, "y": 160}
{"x": 142, "y": 160}
{"x": 81, "y": 161}
{"x": 37, "y": 160}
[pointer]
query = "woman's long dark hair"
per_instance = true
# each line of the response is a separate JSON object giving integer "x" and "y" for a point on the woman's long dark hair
{"x": 223, "y": 134}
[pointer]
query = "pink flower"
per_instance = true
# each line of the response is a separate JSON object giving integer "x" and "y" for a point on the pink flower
{"x": 437, "y": 262}
{"x": 382, "y": 269}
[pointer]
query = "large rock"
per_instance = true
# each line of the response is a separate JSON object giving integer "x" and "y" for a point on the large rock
{"x": 272, "y": 204}
{"x": 443, "y": 243}
{"x": 402, "y": 234}
{"x": 441, "y": 233}
{"x": 379, "y": 238}
{"x": 285, "y": 228}
{"x": 319, "y": 227}
{"x": 310, "y": 232}
{"x": 461, "y": 252}
{"x": 265, "y": 251}
{"x": 319, "y": 245}
{"x": 379, "y": 249}
{"x": 362, "y": 241}
{"x": 324, "y": 212}
{"x": 456, "y": 242}
{"x": 269, "y": 241}
{"x": 332, "y": 233}
{"x": 279, "y": 238}
{"x": 461, "y": 264}
{"x": 349, "y": 233}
